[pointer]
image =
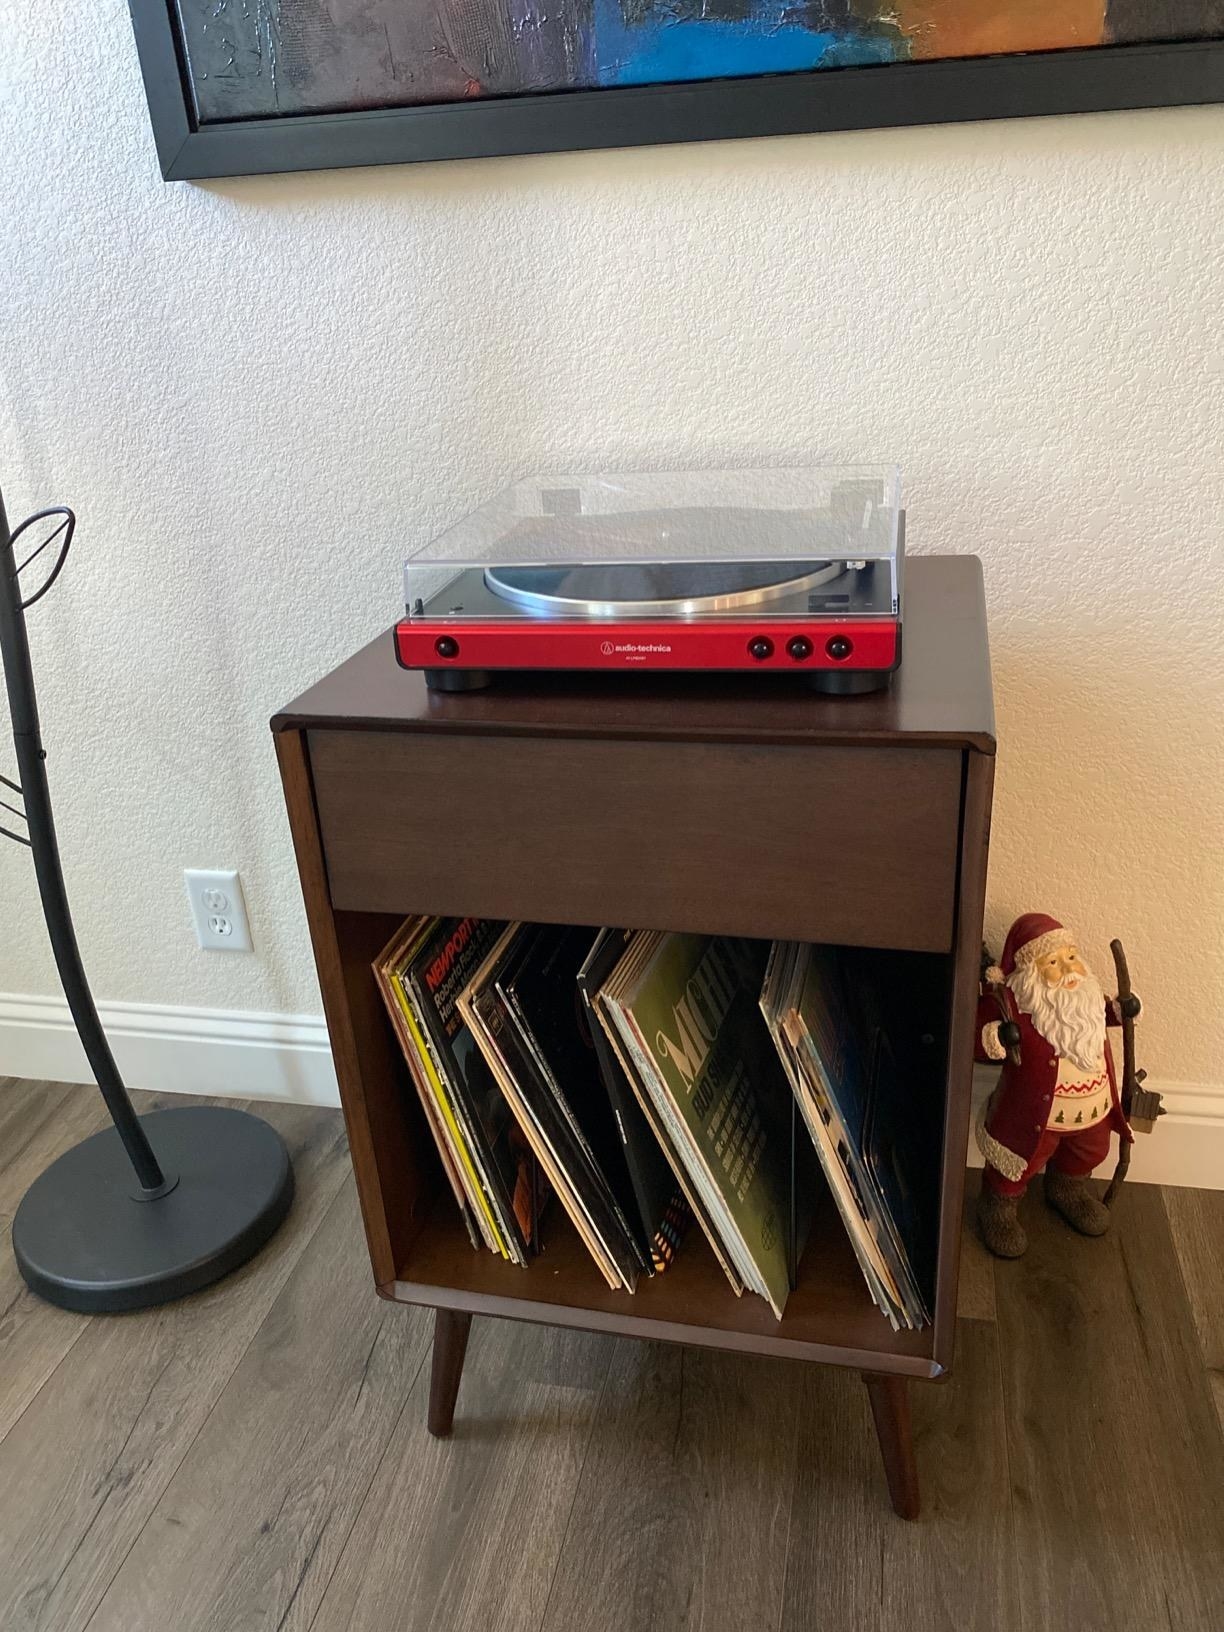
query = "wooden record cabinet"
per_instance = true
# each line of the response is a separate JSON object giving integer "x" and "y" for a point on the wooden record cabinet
{"x": 744, "y": 806}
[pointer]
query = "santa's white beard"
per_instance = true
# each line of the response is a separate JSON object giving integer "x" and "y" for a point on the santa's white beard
{"x": 1072, "y": 1022}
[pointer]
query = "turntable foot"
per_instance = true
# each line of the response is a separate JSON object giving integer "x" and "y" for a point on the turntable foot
{"x": 457, "y": 679}
{"x": 849, "y": 682}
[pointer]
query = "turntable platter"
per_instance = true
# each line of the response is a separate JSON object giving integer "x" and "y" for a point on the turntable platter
{"x": 645, "y": 589}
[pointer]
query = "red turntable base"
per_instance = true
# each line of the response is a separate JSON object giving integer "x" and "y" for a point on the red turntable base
{"x": 841, "y": 656}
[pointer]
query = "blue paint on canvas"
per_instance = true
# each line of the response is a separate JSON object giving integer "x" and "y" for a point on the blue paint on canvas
{"x": 331, "y": 58}
{"x": 666, "y": 43}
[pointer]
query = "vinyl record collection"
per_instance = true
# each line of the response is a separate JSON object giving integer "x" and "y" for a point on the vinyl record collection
{"x": 638, "y": 1080}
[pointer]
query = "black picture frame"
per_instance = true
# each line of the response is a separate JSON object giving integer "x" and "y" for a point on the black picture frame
{"x": 1097, "y": 80}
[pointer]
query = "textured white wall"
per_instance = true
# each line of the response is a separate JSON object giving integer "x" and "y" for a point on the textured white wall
{"x": 259, "y": 392}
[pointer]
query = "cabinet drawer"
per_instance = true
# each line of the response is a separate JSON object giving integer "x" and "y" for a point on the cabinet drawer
{"x": 852, "y": 845}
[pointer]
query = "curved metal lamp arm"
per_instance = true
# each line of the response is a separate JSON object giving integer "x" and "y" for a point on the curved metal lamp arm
{"x": 67, "y": 527}
{"x": 18, "y": 838}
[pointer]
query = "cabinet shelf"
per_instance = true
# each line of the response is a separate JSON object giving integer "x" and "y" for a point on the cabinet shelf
{"x": 829, "y": 1316}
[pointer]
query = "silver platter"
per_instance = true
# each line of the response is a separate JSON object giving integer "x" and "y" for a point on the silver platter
{"x": 677, "y": 589}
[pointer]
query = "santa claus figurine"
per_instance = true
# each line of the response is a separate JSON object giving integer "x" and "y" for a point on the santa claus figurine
{"x": 1056, "y": 1108}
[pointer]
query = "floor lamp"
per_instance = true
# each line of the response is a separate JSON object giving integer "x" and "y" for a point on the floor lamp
{"x": 154, "y": 1206}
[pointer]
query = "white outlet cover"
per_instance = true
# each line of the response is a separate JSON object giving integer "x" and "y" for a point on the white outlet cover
{"x": 218, "y": 910}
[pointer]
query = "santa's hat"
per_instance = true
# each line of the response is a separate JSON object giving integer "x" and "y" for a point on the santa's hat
{"x": 1032, "y": 936}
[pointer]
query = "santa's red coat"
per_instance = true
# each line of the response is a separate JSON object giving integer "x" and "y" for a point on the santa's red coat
{"x": 1019, "y": 1108}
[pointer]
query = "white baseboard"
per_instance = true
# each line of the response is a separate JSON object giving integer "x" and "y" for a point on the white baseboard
{"x": 175, "y": 1050}
{"x": 1186, "y": 1148}
{"x": 277, "y": 1056}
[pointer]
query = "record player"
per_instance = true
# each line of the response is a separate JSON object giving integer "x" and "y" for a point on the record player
{"x": 794, "y": 572}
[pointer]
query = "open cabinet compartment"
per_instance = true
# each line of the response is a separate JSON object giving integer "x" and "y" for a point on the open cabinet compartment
{"x": 829, "y": 1316}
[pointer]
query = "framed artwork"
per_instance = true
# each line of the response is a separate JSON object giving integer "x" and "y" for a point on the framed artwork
{"x": 242, "y": 86}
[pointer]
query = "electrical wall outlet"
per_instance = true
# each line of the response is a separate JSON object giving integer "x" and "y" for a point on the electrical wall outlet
{"x": 218, "y": 911}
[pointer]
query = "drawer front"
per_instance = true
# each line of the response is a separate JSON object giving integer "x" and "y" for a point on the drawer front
{"x": 852, "y": 845}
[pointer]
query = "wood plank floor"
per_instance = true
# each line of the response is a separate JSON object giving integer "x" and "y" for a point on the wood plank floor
{"x": 255, "y": 1458}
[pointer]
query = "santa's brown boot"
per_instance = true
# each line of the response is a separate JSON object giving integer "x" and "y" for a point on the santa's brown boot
{"x": 1073, "y": 1199}
{"x": 999, "y": 1225}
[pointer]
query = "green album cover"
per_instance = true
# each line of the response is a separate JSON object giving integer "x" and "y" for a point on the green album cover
{"x": 694, "y": 1008}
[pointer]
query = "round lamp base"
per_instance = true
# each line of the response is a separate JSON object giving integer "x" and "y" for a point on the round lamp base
{"x": 87, "y": 1238}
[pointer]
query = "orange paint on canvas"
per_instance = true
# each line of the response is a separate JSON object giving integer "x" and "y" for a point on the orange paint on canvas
{"x": 975, "y": 28}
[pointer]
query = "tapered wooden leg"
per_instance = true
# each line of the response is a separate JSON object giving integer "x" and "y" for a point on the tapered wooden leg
{"x": 451, "y": 1329}
{"x": 890, "y": 1407}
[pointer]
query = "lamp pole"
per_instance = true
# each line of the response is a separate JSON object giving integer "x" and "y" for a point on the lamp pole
{"x": 88, "y": 1235}
{"x": 40, "y": 820}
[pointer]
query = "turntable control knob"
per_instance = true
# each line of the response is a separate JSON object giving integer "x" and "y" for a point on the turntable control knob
{"x": 446, "y": 646}
{"x": 799, "y": 647}
{"x": 839, "y": 646}
{"x": 760, "y": 647}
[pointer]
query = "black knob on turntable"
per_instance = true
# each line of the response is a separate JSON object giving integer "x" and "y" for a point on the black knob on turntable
{"x": 446, "y": 646}
{"x": 760, "y": 647}
{"x": 839, "y": 646}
